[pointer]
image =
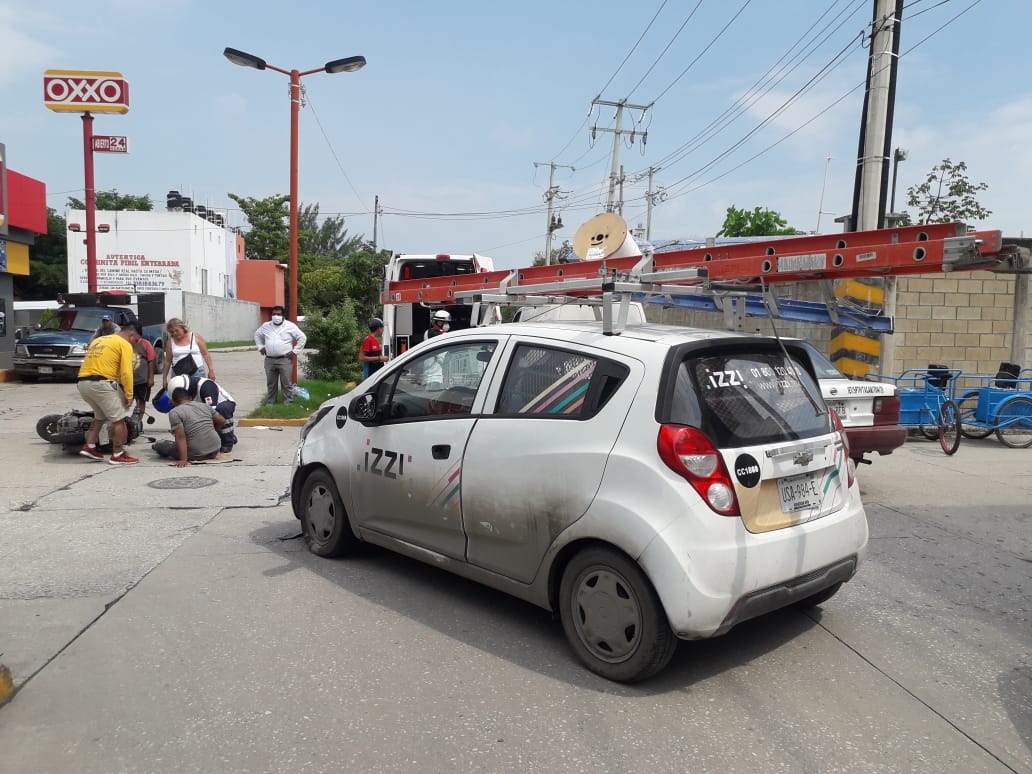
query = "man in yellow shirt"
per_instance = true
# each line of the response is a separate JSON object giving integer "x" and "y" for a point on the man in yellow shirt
{"x": 106, "y": 384}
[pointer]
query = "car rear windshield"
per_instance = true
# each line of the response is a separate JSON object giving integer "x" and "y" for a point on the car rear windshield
{"x": 744, "y": 398}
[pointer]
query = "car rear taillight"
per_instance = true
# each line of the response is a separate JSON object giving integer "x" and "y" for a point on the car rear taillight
{"x": 840, "y": 431}
{"x": 886, "y": 410}
{"x": 690, "y": 453}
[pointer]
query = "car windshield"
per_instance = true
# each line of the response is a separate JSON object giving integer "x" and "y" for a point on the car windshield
{"x": 749, "y": 397}
{"x": 72, "y": 320}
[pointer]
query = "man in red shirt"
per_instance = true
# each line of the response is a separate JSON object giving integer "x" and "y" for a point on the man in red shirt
{"x": 371, "y": 354}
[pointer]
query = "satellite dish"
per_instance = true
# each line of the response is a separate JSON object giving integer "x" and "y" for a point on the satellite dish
{"x": 604, "y": 236}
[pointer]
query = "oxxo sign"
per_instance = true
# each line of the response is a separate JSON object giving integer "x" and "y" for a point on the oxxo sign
{"x": 78, "y": 91}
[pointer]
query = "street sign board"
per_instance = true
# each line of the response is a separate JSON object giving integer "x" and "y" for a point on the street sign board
{"x": 110, "y": 143}
{"x": 80, "y": 91}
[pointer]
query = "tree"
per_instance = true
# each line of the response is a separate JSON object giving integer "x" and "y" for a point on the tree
{"x": 947, "y": 195}
{"x": 48, "y": 263}
{"x": 113, "y": 200}
{"x": 269, "y": 236}
{"x": 758, "y": 222}
{"x": 328, "y": 238}
{"x": 334, "y": 336}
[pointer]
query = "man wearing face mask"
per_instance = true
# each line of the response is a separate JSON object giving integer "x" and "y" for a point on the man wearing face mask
{"x": 280, "y": 341}
{"x": 440, "y": 323}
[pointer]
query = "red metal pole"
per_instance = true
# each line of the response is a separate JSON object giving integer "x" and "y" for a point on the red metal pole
{"x": 91, "y": 204}
{"x": 295, "y": 110}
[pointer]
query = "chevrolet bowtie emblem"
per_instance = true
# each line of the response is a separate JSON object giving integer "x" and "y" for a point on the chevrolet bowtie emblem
{"x": 804, "y": 458}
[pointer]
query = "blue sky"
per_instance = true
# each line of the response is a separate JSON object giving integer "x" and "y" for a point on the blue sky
{"x": 460, "y": 99}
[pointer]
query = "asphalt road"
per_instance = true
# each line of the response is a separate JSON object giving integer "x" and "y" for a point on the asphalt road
{"x": 165, "y": 620}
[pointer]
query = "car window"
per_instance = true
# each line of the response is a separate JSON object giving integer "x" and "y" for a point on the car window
{"x": 441, "y": 382}
{"x": 549, "y": 383}
{"x": 821, "y": 364}
{"x": 747, "y": 398}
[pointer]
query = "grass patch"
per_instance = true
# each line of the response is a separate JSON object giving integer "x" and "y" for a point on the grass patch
{"x": 228, "y": 344}
{"x": 318, "y": 392}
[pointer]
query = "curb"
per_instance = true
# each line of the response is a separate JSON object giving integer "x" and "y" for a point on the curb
{"x": 263, "y": 422}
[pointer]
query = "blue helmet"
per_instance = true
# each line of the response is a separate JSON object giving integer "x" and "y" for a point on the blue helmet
{"x": 162, "y": 401}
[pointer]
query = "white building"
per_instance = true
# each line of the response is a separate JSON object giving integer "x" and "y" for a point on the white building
{"x": 148, "y": 252}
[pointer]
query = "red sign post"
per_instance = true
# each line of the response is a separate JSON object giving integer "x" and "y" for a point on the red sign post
{"x": 87, "y": 92}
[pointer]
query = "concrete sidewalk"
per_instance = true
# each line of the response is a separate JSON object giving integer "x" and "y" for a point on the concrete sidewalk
{"x": 79, "y": 534}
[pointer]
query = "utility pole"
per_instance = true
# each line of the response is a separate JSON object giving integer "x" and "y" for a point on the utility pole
{"x": 652, "y": 197}
{"x": 551, "y": 223}
{"x": 876, "y": 144}
{"x": 376, "y": 216}
{"x": 614, "y": 166}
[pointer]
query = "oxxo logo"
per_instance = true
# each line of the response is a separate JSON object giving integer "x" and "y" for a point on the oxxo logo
{"x": 85, "y": 90}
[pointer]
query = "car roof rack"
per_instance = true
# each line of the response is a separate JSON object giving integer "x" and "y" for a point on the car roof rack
{"x": 737, "y": 279}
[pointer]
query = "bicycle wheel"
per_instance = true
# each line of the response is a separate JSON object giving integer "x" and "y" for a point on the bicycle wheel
{"x": 949, "y": 427}
{"x": 1014, "y": 423}
{"x": 929, "y": 422}
{"x": 969, "y": 426}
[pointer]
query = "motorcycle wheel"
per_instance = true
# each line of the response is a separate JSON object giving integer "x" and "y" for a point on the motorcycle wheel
{"x": 47, "y": 428}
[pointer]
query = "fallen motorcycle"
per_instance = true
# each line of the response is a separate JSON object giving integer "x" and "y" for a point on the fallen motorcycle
{"x": 69, "y": 430}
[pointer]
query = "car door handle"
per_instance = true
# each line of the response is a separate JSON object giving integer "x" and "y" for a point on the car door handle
{"x": 440, "y": 451}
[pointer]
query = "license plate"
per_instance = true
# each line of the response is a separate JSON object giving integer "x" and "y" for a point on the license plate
{"x": 800, "y": 493}
{"x": 838, "y": 406}
{"x": 46, "y": 370}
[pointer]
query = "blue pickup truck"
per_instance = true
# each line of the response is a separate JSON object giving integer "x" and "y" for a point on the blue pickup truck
{"x": 58, "y": 345}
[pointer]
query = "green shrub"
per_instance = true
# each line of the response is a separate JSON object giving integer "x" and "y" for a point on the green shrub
{"x": 335, "y": 337}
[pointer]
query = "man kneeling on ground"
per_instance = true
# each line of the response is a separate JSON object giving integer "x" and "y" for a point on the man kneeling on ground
{"x": 193, "y": 424}
{"x": 207, "y": 392}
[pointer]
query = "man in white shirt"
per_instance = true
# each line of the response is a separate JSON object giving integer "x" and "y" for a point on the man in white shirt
{"x": 280, "y": 341}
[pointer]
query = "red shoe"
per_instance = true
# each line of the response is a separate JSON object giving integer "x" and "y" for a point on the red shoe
{"x": 122, "y": 459}
{"x": 91, "y": 453}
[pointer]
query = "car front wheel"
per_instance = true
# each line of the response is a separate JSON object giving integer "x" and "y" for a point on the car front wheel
{"x": 613, "y": 618}
{"x": 323, "y": 519}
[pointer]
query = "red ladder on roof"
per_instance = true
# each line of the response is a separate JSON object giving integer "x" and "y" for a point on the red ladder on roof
{"x": 883, "y": 252}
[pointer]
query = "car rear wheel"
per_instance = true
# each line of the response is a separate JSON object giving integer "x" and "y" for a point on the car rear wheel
{"x": 613, "y": 618}
{"x": 324, "y": 522}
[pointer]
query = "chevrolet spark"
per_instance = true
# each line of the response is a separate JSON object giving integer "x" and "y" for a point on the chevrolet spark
{"x": 659, "y": 484}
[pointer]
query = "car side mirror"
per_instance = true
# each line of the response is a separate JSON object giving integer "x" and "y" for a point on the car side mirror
{"x": 363, "y": 408}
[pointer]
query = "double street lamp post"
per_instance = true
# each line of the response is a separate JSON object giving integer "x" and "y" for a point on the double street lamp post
{"x": 347, "y": 65}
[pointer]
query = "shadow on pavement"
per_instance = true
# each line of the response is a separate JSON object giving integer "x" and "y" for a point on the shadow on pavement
{"x": 508, "y": 628}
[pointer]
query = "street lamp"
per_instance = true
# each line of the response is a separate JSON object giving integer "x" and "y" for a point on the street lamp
{"x": 347, "y": 65}
{"x": 898, "y": 155}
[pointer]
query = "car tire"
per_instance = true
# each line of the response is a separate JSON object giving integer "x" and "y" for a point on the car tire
{"x": 820, "y": 597}
{"x": 324, "y": 521}
{"x": 613, "y": 618}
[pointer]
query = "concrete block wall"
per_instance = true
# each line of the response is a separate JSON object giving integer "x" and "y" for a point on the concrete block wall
{"x": 964, "y": 321}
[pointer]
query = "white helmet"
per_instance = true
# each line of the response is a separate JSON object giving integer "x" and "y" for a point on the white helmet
{"x": 178, "y": 381}
{"x": 441, "y": 315}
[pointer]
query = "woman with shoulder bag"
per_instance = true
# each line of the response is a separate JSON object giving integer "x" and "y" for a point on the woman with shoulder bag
{"x": 187, "y": 353}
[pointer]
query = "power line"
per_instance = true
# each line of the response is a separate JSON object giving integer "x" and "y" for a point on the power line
{"x": 665, "y": 49}
{"x": 704, "y": 50}
{"x": 308, "y": 100}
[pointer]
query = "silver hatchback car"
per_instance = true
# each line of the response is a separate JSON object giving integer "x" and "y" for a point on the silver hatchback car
{"x": 660, "y": 484}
